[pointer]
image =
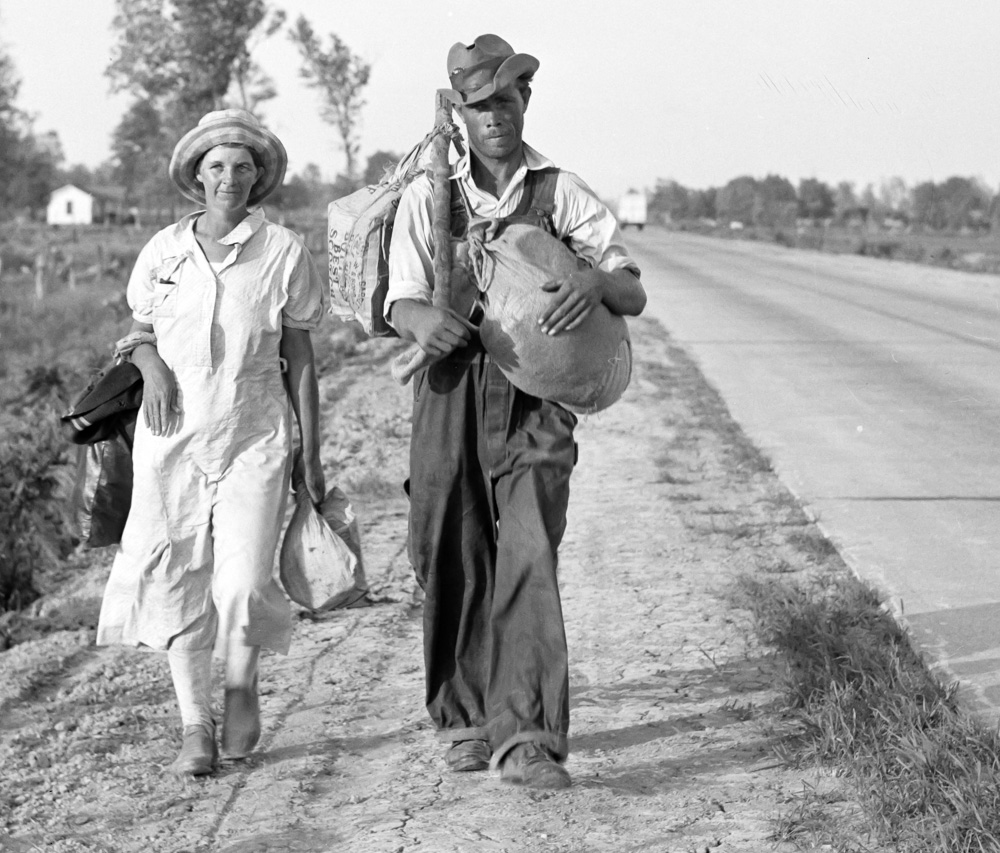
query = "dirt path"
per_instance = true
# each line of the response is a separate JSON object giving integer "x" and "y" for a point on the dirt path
{"x": 674, "y": 713}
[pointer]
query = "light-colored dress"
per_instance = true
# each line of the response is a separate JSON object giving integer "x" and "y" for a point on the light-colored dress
{"x": 196, "y": 564}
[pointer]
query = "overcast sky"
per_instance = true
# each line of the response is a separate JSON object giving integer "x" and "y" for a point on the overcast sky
{"x": 628, "y": 91}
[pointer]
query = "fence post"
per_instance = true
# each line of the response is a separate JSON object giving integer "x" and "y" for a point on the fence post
{"x": 41, "y": 270}
{"x": 70, "y": 273}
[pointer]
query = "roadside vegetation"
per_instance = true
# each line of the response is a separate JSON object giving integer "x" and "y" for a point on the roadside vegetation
{"x": 51, "y": 341}
{"x": 953, "y": 224}
{"x": 926, "y": 774}
{"x": 919, "y": 772}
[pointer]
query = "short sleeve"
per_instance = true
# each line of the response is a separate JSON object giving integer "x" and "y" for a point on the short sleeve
{"x": 139, "y": 291}
{"x": 305, "y": 304}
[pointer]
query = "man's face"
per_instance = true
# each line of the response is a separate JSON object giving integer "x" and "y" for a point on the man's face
{"x": 495, "y": 125}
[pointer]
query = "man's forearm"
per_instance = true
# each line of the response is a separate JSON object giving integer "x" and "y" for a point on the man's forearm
{"x": 403, "y": 314}
{"x": 623, "y": 293}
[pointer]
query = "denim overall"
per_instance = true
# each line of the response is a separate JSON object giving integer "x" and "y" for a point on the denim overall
{"x": 489, "y": 488}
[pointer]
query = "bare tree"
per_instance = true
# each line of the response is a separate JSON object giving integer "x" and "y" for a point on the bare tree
{"x": 340, "y": 75}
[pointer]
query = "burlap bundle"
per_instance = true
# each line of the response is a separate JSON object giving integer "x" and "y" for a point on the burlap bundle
{"x": 585, "y": 369}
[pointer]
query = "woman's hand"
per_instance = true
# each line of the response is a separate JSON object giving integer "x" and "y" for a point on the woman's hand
{"x": 574, "y": 297}
{"x": 160, "y": 406}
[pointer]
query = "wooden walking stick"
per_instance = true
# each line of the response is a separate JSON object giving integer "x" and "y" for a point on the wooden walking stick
{"x": 408, "y": 363}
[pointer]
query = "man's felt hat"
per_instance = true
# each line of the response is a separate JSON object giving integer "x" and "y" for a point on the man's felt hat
{"x": 486, "y": 66}
{"x": 232, "y": 127}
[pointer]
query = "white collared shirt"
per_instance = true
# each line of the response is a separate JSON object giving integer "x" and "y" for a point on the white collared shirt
{"x": 579, "y": 215}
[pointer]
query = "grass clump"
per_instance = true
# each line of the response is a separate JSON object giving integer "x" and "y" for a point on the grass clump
{"x": 927, "y": 775}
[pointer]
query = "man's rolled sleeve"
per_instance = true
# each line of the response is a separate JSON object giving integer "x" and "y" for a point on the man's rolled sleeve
{"x": 411, "y": 263}
{"x": 590, "y": 225}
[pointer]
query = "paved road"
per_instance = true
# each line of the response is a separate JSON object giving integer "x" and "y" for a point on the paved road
{"x": 874, "y": 386}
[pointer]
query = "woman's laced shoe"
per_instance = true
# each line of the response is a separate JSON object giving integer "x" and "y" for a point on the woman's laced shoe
{"x": 240, "y": 722}
{"x": 532, "y": 765}
{"x": 468, "y": 755}
{"x": 199, "y": 754}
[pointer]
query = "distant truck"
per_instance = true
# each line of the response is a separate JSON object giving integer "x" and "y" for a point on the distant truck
{"x": 632, "y": 210}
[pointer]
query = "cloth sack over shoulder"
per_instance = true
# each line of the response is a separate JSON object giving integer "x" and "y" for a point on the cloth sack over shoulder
{"x": 359, "y": 230}
{"x": 112, "y": 395}
{"x": 320, "y": 564}
{"x": 102, "y": 489}
{"x": 585, "y": 369}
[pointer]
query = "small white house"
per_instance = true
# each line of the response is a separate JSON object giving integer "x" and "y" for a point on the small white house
{"x": 70, "y": 205}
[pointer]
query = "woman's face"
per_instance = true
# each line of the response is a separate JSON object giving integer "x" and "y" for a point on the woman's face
{"x": 228, "y": 174}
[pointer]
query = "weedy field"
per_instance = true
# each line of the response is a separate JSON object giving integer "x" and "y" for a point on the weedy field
{"x": 61, "y": 307}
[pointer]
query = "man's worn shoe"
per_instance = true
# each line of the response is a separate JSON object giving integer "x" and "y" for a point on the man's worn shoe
{"x": 532, "y": 765}
{"x": 198, "y": 754}
{"x": 468, "y": 755}
{"x": 240, "y": 722}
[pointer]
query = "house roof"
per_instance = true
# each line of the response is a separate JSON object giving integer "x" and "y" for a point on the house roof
{"x": 104, "y": 193}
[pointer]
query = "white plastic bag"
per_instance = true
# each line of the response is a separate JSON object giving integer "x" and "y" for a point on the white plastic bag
{"x": 316, "y": 566}
{"x": 336, "y": 509}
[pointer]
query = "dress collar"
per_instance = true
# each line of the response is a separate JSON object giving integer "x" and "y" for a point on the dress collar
{"x": 239, "y": 236}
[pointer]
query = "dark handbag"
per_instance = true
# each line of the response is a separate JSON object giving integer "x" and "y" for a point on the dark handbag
{"x": 113, "y": 394}
{"x": 102, "y": 422}
{"x": 102, "y": 492}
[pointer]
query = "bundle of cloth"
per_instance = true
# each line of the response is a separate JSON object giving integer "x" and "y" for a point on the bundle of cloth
{"x": 585, "y": 369}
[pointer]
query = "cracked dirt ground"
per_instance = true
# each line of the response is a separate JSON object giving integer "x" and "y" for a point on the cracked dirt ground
{"x": 675, "y": 713}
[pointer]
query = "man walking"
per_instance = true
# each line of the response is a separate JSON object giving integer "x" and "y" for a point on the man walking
{"x": 489, "y": 464}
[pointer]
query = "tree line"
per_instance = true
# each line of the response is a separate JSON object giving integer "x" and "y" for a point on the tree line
{"x": 955, "y": 204}
{"x": 179, "y": 60}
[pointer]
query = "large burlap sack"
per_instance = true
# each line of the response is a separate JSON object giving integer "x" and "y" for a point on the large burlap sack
{"x": 585, "y": 369}
{"x": 359, "y": 230}
{"x": 359, "y": 233}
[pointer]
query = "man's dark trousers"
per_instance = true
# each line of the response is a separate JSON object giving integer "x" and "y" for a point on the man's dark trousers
{"x": 489, "y": 488}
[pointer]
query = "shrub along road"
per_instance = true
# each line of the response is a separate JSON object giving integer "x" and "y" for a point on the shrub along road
{"x": 678, "y": 726}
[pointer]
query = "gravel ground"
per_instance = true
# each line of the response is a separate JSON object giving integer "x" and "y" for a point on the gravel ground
{"x": 676, "y": 718}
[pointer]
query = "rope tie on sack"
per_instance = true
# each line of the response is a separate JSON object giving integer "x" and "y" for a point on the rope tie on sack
{"x": 482, "y": 259}
{"x": 410, "y": 166}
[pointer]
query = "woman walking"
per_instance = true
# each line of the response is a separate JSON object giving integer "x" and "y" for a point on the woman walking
{"x": 223, "y": 301}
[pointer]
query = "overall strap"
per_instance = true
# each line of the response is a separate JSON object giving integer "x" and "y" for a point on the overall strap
{"x": 539, "y": 198}
{"x": 536, "y": 206}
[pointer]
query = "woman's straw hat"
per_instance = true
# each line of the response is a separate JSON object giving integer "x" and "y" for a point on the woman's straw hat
{"x": 237, "y": 127}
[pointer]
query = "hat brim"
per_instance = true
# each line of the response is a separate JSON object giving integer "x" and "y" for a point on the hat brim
{"x": 511, "y": 69}
{"x": 228, "y": 131}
